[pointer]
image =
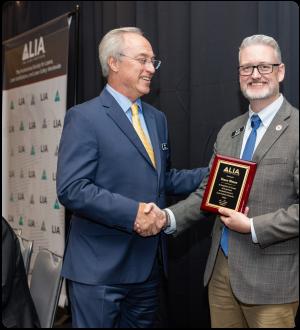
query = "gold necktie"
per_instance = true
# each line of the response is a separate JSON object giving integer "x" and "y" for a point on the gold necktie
{"x": 138, "y": 128}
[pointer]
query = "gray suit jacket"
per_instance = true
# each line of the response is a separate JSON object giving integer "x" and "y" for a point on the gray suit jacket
{"x": 267, "y": 272}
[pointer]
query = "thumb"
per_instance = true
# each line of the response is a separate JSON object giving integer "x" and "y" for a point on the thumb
{"x": 148, "y": 208}
{"x": 246, "y": 211}
{"x": 224, "y": 211}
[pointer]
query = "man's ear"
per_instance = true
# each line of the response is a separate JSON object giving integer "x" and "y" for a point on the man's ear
{"x": 113, "y": 64}
{"x": 281, "y": 72}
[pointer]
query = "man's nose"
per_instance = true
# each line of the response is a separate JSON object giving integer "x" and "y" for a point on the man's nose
{"x": 255, "y": 73}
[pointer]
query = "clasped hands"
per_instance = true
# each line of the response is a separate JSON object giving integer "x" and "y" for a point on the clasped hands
{"x": 150, "y": 220}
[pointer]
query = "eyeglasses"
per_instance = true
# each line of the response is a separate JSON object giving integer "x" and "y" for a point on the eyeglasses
{"x": 247, "y": 70}
{"x": 143, "y": 61}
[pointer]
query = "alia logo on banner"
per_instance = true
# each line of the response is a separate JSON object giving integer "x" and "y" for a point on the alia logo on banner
{"x": 33, "y": 48}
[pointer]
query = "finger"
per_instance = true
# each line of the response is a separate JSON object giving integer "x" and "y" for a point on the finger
{"x": 224, "y": 220}
{"x": 224, "y": 211}
{"x": 141, "y": 232}
{"x": 147, "y": 233}
{"x": 137, "y": 227}
{"x": 155, "y": 231}
{"x": 138, "y": 231}
{"x": 148, "y": 208}
{"x": 246, "y": 211}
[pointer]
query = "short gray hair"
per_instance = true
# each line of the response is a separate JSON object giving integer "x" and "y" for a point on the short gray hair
{"x": 260, "y": 39}
{"x": 111, "y": 45}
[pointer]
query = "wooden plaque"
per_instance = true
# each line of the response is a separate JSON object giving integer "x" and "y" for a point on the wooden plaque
{"x": 229, "y": 184}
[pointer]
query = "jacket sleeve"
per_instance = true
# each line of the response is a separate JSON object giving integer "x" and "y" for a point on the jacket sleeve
{"x": 283, "y": 224}
{"x": 184, "y": 181}
{"x": 78, "y": 160}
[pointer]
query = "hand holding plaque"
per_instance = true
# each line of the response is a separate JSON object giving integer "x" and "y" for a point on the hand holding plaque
{"x": 229, "y": 184}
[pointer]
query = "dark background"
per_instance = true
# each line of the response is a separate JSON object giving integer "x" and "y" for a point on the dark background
{"x": 196, "y": 87}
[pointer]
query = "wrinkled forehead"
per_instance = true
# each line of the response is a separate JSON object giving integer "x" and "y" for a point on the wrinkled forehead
{"x": 257, "y": 54}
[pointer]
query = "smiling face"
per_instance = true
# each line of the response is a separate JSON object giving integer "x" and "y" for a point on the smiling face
{"x": 257, "y": 86}
{"x": 127, "y": 75}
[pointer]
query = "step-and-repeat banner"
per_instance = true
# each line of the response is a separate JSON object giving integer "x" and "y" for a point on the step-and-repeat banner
{"x": 33, "y": 109}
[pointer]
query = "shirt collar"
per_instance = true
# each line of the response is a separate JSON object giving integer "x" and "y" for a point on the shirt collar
{"x": 267, "y": 114}
{"x": 122, "y": 100}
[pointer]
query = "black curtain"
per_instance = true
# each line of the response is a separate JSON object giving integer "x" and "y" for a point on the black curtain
{"x": 196, "y": 87}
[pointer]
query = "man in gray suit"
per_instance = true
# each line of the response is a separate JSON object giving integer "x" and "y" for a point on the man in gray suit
{"x": 252, "y": 268}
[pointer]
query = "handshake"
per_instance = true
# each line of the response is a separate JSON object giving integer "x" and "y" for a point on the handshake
{"x": 150, "y": 220}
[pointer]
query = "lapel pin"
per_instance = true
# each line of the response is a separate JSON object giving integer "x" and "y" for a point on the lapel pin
{"x": 164, "y": 146}
{"x": 278, "y": 128}
{"x": 237, "y": 132}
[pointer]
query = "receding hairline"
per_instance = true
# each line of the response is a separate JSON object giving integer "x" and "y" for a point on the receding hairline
{"x": 128, "y": 34}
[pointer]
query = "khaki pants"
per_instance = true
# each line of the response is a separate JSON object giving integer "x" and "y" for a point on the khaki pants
{"x": 227, "y": 312}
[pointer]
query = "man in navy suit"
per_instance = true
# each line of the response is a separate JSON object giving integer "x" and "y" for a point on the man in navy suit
{"x": 113, "y": 160}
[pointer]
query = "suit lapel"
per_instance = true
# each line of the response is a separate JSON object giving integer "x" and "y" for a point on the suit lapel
{"x": 278, "y": 125}
{"x": 237, "y": 138}
{"x": 115, "y": 112}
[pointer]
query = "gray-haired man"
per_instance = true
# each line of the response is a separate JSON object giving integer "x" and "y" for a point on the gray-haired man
{"x": 252, "y": 268}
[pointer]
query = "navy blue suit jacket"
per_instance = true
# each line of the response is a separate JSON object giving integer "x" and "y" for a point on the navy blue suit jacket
{"x": 103, "y": 173}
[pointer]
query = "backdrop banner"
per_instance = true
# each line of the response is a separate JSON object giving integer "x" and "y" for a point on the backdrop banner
{"x": 33, "y": 108}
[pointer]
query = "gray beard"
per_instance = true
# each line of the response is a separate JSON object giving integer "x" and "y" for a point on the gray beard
{"x": 260, "y": 96}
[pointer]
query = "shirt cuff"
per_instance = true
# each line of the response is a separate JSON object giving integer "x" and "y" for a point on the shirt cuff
{"x": 253, "y": 234}
{"x": 172, "y": 228}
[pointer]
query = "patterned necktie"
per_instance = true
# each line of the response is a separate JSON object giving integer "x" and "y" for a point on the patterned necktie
{"x": 138, "y": 128}
{"x": 247, "y": 155}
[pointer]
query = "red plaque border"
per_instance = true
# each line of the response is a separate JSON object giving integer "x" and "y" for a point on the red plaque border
{"x": 245, "y": 188}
